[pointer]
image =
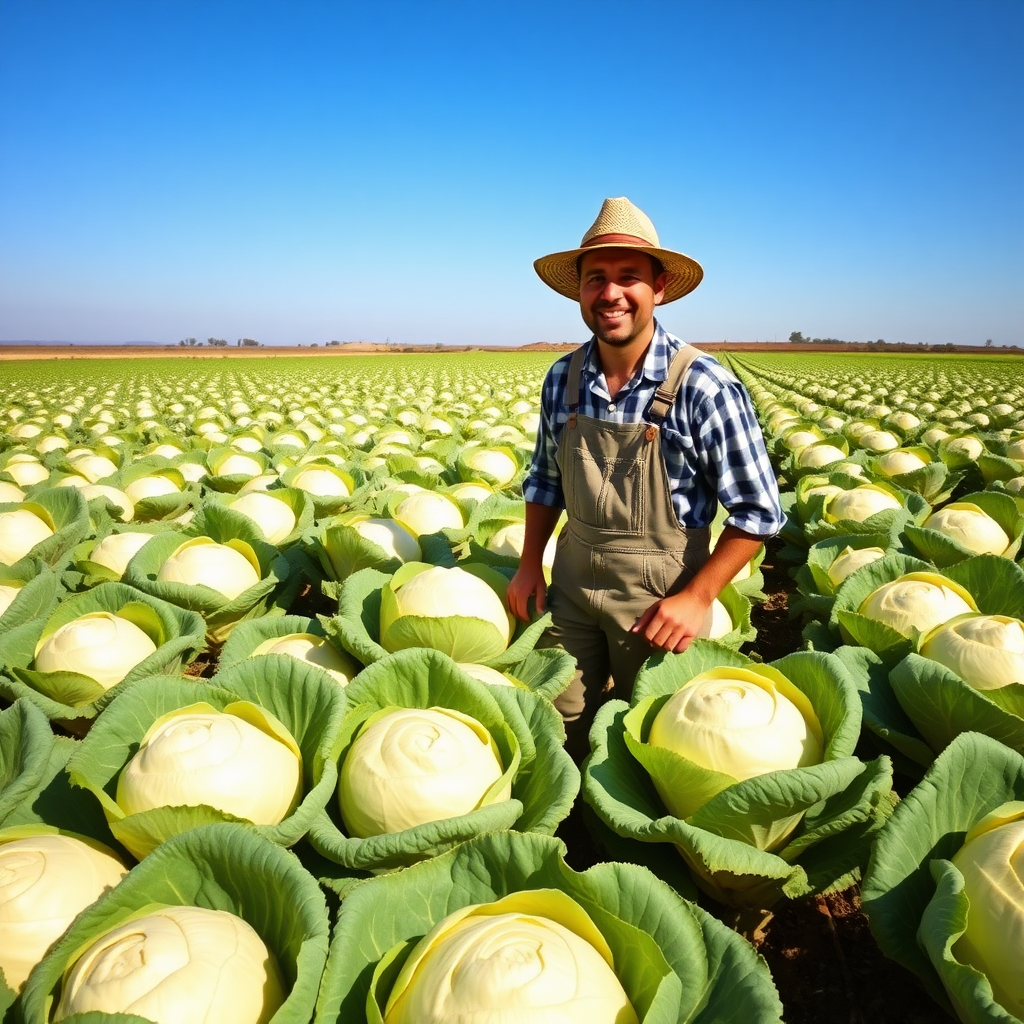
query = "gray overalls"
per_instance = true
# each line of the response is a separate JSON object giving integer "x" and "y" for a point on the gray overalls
{"x": 622, "y": 548}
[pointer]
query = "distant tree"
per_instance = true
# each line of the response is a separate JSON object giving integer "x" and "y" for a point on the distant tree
{"x": 315, "y": 344}
{"x": 216, "y": 342}
{"x": 988, "y": 343}
{"x": 881, "y": 341}
{"x": 248, "y": 342}
{"x": 188, "y": 342}
{"x": 797, "y": 338}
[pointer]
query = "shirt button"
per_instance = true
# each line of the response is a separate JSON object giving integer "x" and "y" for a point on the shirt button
{"x": 611, "y": 407}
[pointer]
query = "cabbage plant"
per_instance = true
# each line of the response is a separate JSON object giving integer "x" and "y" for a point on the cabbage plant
{"x": 93, "y": 646}
{"x": 536, "y": 783}
{"x": 47, "y": 527}
{"x": 673, "y": 960}
{"x": 227, "y": 574}
{"x": 261, "y": 636}
{"x": 227, "y": 868}
{"x": 281, "y": 515}
{"x": 346, "y": 544}
{"x": 105, "y": 557}
{"x": 919, "y": 892}
{"x": 461, "y": 611}
{"x": 983, "y": 523}
{"x": 286, "y": 700}
{"x": 746, "y": 840}
{"x": 829, "y": 563}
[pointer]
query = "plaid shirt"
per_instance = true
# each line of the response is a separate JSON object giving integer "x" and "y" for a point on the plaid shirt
{"x": 711, "y": 441}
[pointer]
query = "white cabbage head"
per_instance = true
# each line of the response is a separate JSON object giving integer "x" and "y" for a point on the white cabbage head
{"x": 493, "y": 464}
{"x": 969, "y": 447}
{"x": 439, "y": 593}
{"x": 533, "y": 956}
{"x": 241, "y": 760}
{"x": 508, "y": 540}
{"x": 116, "y": 497}
{"x": 100, "y": 645}
{"x": 849, "y": 560}
{"x": 879, "y": 440}
{"x": 20, "y": 531}
{"x": 238, "y": 464}
{"x": 10, "y": 493}
{"x": 986, "y": 651}
{"x": 230, "y": 569}
{"x": 322, "y": 482}
{"x": 150, "y": 487}
{"x": 273, "y": 516}
{"x": 992, "y": 863}
{"x": 413, "y": 765}
{"x": 816, "y": 455}
{"x": 970, "y": 526}
{"x": 917, "y": 601}
{"x": 116, "y": 550}
{"x": 27, "y": 474}
{"x": 8, "y": 592}
{"x": 740, "y": 722}
{"x": 860, "y": 502}
{"x": 429, "y": 511}
{"x": 314, "y": 650}
{"x": 797, "y": 439}
{"x": 468, "y": 491}
{"x": 396, "y": 540}
{"x": 177, "y": 965}
{"x": 896, "y": 462}
{"x": 717, "y": 621}
{"x": 45, "y": 881}
{"x": 94, "y": 467}
{"x": 486, "y": 674}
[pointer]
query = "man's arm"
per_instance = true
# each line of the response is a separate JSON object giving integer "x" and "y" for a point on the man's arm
{"x": 671, "y": 623}
{"x": 529, "y": 578}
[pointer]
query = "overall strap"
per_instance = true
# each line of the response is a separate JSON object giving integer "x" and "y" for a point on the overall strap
{"x": 574, "y": 383}
{"x": 665, "y": 396}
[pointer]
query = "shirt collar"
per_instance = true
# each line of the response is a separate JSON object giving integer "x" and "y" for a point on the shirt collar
{"x": 656, "y": 361}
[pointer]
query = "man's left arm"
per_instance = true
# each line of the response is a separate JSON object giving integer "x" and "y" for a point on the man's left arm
{"x": 731, "y": 451}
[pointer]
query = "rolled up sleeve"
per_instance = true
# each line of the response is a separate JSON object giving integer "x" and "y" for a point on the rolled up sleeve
{"x": 732, "y": 452}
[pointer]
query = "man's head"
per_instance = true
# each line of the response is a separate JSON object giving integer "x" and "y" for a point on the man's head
{"x": 619, "y": 288}
{"x": 620, "y": 225}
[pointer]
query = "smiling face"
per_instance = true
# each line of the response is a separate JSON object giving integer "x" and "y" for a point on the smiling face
{"x": 618, "y": 293}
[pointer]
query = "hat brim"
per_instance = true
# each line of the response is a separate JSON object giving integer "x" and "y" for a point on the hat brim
{"x": 558, "y": 270}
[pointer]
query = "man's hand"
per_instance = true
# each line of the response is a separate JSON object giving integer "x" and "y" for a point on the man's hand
{"x": 528, "y": 582}
{"x": 671, "y": 623}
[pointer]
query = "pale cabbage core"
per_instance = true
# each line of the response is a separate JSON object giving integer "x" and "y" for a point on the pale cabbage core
{"x": 992, "y": 863}
{"x": 986, "y": 651}
{"x": 970, "y": 526}
{"x": 482, "y": 964}
{"x": 272, "y": 516}
{"x": 314, "y": 650}
{"x": 395, "y": 539}
{"x": 179, "y": 965}
{"x": 859, "y": 503}
{"x": 850, "y": 560}
{"x": 99, "y": 645}
{"x": 203, "y": 756}
{"x": 45, "y": 880}
{"x": 918, "y": 601}
{"x": 415, "y": 765}
{"x": 217, "y": 566}
{"x": 20, "y": 531}
{"x": 117, "y": 550}
{"x": 737, "y": 722}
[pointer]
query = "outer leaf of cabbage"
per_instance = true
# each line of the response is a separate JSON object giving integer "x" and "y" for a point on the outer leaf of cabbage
{"x": 971, "y": 777}
{"x": 944, "y": 550}
{"x": 66, "y": 509}
{"x": 711, "y": 973}
{"x": 220, "y": 867}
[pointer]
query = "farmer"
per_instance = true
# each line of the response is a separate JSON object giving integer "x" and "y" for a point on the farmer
{"x": 640, "y": 437}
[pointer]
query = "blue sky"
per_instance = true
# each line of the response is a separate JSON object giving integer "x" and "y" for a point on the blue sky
{"x": 304, "y": 171}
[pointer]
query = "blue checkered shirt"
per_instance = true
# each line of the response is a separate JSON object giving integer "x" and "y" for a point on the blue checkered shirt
{"x": 711, "y": 441}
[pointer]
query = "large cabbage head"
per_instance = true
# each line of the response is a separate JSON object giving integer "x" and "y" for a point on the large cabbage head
{"x": 917, "y": 601}
{"x": 451, "y": 610}
{"x": 969, "y": 526}
{"x": 21, "y": 529}
{"x": 735, "y": 723}
{"x": 992, "y": 863}
{"x": 230, "y": 568}
{"x": 986, "y": 651}
{"x": 45, "y": 880}
{"x": 858, "y": 503}
{"x": 534, "y": 955}
{"x": 409, "y": 766}
{"x": 177, "y": 965}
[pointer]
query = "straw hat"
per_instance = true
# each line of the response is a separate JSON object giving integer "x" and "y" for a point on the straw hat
{"x": 620, "y": 225}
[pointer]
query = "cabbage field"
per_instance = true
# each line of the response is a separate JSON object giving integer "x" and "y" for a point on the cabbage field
{"x": 273, "y": 748}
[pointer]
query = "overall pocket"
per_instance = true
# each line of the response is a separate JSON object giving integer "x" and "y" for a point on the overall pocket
{"x": 609, "y": 496}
